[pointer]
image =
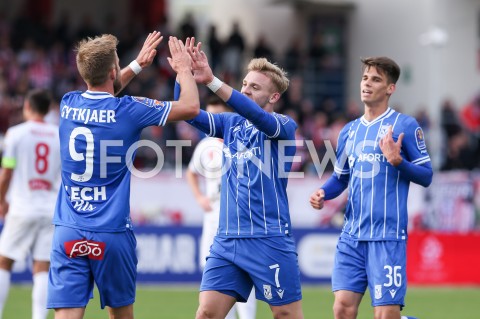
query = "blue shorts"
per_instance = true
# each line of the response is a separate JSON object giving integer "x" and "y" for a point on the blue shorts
{"x": 270, "y": 264}
{"x": 380, "y": 265}
{"x": 79, "y": 258}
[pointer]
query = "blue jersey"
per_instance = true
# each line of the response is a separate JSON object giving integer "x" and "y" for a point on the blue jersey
{"x": 98, "y": 135}
{"x": 377, "y": 201}
{"x": 256, "y": 162}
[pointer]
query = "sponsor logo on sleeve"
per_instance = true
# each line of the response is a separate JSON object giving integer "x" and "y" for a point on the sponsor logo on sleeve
{"x": 149, "y": 102}
{"x": 420, "y": 138}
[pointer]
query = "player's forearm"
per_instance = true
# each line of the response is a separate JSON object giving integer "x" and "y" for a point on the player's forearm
{"x": 250, "y": 110}
{"x": 5, "y": 178}
{"x": 189, "y": 93}
{"x": 334, "y": 186}
{"x": 192, "y": 180}
{"x": 224, "y": 92}
{"x": 203, "y": 121}
{"x": 419, "y": 174}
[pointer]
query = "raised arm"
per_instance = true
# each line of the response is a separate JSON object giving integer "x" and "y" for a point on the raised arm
{"x": 188, "y": 104}
{"x": 144, "y": 59}
{"x": 274, "y": 126}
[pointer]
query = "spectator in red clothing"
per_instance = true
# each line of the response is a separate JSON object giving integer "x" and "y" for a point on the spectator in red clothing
{"x": 470, "y": 116}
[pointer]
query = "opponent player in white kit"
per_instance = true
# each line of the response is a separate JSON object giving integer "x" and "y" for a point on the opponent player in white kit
{"x": 207, "y": 162}
{"x": 31, "y": 172}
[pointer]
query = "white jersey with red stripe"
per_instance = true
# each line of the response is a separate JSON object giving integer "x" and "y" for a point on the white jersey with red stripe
{"x": 32, "y": 150}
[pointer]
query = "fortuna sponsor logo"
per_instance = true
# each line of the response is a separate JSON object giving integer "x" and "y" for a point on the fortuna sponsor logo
{"x": 77, "y": 248}
{"x": 247, "y": 154}
{"x": 88, "y": 115}
{"x": 371, "y": 157}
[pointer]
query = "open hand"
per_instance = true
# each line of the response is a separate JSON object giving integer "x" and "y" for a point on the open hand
{"x": 202, "y": 73}
{"x": 147, "y": 53}
{"x": 180, "y": 60}
{"x": 390, "y": 148}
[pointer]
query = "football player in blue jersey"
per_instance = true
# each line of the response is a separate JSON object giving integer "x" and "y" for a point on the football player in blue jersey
{"x": 378, "y": 155}
{"x": 93, "y": 240}
{"x": 254, "y": 244}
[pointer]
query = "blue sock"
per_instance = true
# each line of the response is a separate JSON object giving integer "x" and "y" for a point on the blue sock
{"x": 405, "y": 317}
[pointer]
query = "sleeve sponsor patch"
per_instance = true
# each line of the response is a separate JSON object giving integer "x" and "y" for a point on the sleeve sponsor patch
{"x": 420, "y": 138}
{"x": 150, "y": 102}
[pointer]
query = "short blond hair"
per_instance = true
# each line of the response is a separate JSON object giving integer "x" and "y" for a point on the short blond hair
{"x": 273, "y": 71}
{"x": 96, "y": 57}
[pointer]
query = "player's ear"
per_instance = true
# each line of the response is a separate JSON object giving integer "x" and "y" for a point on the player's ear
{"x": 391, "y": 88}
{"x": 274, "y": 98}
{"x": 113, "y": 73}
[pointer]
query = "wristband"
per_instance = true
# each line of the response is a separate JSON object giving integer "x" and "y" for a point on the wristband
{"x": 136, "y": 68}
{"x": 215, "y": 84}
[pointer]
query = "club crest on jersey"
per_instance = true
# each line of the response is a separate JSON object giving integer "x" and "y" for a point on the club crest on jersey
{"x": 420, "y": 138}
{"x": 149, "y": 102}
{"x": 267, "y": 292}
{"x": 378, "y": 291}
{"x": 383, "y": 131}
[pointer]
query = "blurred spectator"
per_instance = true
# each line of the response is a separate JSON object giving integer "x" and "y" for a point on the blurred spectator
{"x": 470, "y": 115}
{"x": 292, "y": 98}
{"x": 62, "y": 29}
{"x": 316, "y": 52}
{"x": 233, "y": 57}
{"x": 449, "y": 119}
{"x": 262, "y": 49}
{"x": 293, "y": 60}
{"x": 188, "y": 27}
{"x": 423, "y": 119}
{"x": 353, "y": 111}
{"x": 215, "y": 48}
{"x": 86, "y": 29}
{"x": 460, "y": 154}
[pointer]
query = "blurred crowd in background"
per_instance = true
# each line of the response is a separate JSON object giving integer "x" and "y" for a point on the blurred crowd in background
{"x": 41, "y": 55}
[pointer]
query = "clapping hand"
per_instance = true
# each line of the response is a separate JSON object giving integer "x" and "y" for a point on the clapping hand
{"x": 202, "y": 72}
{"x": 148, "y": 52}
{"x": 180, "y": 60}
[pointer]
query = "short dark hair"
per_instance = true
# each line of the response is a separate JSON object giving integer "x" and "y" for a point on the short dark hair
{"x": 39, "y": 100}
{"x": 385, "y": 65}
{"x": 214, "y": 99}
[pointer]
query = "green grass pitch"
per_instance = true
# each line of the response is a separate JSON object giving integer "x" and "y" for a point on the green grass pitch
{"x": 157, "y": 302}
